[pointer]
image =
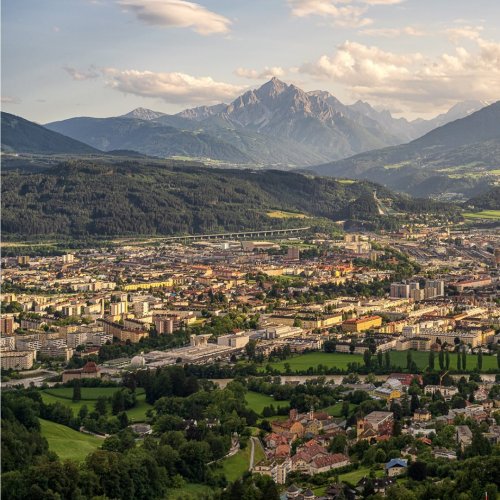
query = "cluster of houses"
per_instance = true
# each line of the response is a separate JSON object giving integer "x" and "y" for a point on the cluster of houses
{"x": 315, "y": 429}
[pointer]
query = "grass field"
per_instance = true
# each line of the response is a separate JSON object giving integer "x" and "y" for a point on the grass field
{"x": 485, "y": 214}
{"x": 335, "y": 409}
{"x": 398, "y": 359}
{"x": 189, "y": 491}
{"x": 89, "y": 397}
{"x": 354, "y": 476}
{"x": 280, "y": 214}
{"x": 313, "y": 359}
{"x": 68, "y": 443}
{"x": 234, "y": 467}
{"x": 259, "y": 454}
{"x": 257, "y": 401}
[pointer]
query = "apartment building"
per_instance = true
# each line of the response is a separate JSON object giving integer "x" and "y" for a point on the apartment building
{"x": 361, "y": 324}
{"x": 17, "y": 360}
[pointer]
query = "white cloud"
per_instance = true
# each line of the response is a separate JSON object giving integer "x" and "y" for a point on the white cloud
{"x": 414, "y": 81}
{"x": 469, "y": 32}
{"x": 336, "y": 10}
{"x": 346, "y": 13}
{"x": 382, "y": 2}
{"x": 6, "y": 99}
{"x": 178, "y": 13}
{"x": 265, "y": 74}
{"x": 80, "y": 75}
{"x": 393, "y": 32}
{"x": 171, "y": 87}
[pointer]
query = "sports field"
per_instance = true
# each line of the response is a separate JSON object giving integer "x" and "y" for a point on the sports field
{"x": 257, "y": 402}
{"x": 67, "y": 443}
{"x": 89, "y": 397}
{"x": 398, "y": 359}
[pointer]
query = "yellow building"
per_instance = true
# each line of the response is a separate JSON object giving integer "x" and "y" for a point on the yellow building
{"x": 148, "y": 285}
{"x": 387, "y": 393}
{"x": 361, "y": 324}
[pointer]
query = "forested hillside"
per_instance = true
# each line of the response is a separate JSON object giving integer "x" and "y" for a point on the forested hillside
{"x": 487, "y": 201}
{"x": 82, "y": 199}
{"x": 20, "y": 135}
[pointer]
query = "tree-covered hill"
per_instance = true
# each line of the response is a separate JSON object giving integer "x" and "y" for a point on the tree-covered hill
{"x": 22, "y": 136}
{"x": 83, "y": 198}
{"x": 490, "y": 200}
{"x": 459, "y": 157}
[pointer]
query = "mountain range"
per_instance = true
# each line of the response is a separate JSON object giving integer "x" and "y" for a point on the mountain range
{"x": 276, "y": 125}
{"x": 462, "y": 156}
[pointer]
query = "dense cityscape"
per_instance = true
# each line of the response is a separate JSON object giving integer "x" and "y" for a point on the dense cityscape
{"x": 250, "y": 250}
{"x": 349, "y": 365}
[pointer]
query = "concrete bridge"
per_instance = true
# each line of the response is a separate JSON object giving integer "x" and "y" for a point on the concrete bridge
{"x": 239, "y": 235}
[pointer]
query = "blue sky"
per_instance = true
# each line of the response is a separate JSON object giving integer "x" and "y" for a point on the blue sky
{"x": 63, "y": 58}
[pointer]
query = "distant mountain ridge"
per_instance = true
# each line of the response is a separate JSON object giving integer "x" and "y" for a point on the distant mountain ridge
{"x": 20, "y": 135}
{"x": 461, "y": 156}
{"x": 274, "y": 125}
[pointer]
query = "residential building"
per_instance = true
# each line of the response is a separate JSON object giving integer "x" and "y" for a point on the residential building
{"x": 18, "y": 360}
{"x": 396, "y": 466}
{"x": 375, "y": 425}
{"x": 90, "y": 370}
{"x": 7, "y": 325}
{"x": 361, "y": 324}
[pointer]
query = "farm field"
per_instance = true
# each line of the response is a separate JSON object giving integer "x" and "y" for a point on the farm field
{"x": 89, "y": 397}
{"x": 68, "y": 443}
{"x": 398, "y": 359}
{"x": 257, "y": 402}
{"x": 485, "y": 214}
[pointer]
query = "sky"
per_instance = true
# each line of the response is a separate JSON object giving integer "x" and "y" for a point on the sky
{"x": 64, "y": 58}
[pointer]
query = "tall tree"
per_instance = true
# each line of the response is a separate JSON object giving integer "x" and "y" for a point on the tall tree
{"x": 447, "y": 360}
{"x": 367, "y": 358}
{"x": 77, "y": 391}
{"x": 431, "y": 360}
{"x": 480, "y": 360}
{"x": 464, "y": 360}
{"x": 441, "y": 360}
{"x": 409, "y": 360}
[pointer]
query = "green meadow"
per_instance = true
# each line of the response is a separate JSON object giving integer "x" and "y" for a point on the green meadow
{"x": 89, "y": 397}
{"x": 398, "y": 359}
{"x": 67, "y": 443}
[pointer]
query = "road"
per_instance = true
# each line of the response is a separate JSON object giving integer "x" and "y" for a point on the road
{"x": 255, "y": 442}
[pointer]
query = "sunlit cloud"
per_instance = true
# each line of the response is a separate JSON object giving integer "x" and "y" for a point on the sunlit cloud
{"x": 171, "y": 87}
{"x": 179, "y": 14}
{"x": 264, "y": 74}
